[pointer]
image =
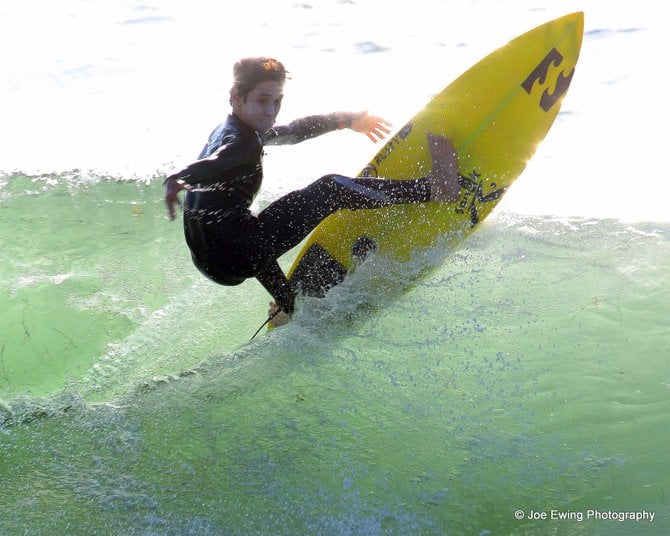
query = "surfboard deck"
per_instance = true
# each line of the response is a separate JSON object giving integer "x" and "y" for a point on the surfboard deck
{"x": 495, "y": 114}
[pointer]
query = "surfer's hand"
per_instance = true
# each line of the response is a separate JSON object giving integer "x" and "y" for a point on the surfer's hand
{"x": 279, "y": 317}
{"x": 172, "y": 187}
{"x": 372, "y": 126}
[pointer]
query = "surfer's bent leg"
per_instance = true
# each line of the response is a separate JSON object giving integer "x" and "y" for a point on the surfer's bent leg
{"x": 287, "y": 221}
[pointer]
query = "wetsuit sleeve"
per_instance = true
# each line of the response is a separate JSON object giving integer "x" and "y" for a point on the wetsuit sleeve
{"x": 233, "y": 152}
{"x": 307, "y": 128}
{"x": 275, "y": 282}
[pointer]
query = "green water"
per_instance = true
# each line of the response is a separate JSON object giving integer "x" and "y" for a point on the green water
{"x": 529, "y": 372}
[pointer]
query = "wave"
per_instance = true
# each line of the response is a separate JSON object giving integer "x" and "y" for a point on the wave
{"x": 512, "y": 375}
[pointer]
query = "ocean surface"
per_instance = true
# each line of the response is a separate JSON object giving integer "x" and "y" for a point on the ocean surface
{"x": 522, "y": 387}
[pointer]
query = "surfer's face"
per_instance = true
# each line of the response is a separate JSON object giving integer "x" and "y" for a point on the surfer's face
{"x": 261, "y": 105}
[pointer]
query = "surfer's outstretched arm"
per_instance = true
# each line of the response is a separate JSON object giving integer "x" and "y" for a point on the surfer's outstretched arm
{"x": 374, "y": 127}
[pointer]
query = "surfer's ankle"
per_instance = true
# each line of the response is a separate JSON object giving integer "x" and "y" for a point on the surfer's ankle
{"x": 443, "y": 177}
{"x": 280, "y": 319}
{"x": 278, "y": 316}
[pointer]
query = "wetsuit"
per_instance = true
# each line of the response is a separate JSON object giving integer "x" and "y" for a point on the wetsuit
{"x": 228, "y": 243}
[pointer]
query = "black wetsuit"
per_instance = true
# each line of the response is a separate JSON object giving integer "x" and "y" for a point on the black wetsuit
{"x": 228, "y": 243}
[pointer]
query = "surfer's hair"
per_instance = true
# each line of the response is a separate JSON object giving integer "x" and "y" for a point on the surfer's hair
{"x": 249, "y": 72}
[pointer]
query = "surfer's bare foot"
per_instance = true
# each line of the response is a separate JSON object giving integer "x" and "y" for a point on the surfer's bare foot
{"x": 443, "y": 178}
{"x": 279, "y": 317}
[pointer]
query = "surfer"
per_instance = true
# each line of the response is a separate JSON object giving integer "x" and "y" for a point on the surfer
{"x": 229, "y": 243}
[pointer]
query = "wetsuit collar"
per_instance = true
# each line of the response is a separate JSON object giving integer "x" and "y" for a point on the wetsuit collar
{"x": 241, "y": 126}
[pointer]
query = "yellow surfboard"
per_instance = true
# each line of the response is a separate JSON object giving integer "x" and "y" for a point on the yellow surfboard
{"x": 495, "y": 114}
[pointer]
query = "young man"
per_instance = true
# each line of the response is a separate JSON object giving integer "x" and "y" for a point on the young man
{"x": 230, "y": 244}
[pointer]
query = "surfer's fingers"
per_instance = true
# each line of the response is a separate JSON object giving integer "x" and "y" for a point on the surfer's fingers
{"x": 171, "y": 201}
{"x": 372, "y": 137}
{"x": 377, "y": 133}
{"x": 384, "y": 125}
{"x": 171, "y": 211}
{"x": 379, "y": 126}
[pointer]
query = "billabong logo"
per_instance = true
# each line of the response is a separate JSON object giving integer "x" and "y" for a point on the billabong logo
{"x": 539, "y": 74}
{"x": 472, "y": 189}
